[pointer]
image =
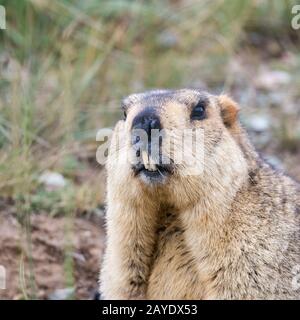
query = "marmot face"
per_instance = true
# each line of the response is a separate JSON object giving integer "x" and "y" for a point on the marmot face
{"x": 174, "y": 134}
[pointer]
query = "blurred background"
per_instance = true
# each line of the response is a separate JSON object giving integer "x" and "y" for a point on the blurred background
{"x": 65, "y": 65}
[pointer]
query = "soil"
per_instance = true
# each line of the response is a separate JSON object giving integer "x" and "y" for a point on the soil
{"x": 51, "y": 238}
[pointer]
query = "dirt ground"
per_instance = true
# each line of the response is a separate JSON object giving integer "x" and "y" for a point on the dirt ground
{"x": 48, "y": 243}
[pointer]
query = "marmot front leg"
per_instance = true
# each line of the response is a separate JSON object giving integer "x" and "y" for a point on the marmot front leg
{"x": 130, "y": 242}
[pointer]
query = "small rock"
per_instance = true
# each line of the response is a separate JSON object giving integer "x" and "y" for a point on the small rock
{"x": 275, "y": 162}
{"x": 258, "y": 123}
{"x": 62, "y": 294}
{"x": 52, "y": 180}
{"x": 78, "y": 256}
{"x": 167, "y": 39}
{"x": 99, "y": 212}
{"x": 272, "y": 80}
{"x": 276, "y": 99}
{"x": 261, "y": 140}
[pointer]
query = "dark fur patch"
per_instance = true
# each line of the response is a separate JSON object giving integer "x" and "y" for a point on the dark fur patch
{"x": 215, "y": 274}
{"x": 218, "y": 139}
{"x": 187, "y": 264}
{"x": 253, "y": 177}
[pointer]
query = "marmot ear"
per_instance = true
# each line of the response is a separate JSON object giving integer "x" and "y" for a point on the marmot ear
{"x": 229, "y": 110}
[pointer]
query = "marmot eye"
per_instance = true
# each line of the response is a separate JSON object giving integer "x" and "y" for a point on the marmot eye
{"x": 198, "y": 112}
{"x": 124, "y": 115}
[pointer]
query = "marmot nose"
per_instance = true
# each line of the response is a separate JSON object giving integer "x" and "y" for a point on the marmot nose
{"x": 142, "y": 130}
{"x": 147, "y": 121}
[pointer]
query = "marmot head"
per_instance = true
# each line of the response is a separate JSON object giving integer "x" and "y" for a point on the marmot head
{"x": 173, "y": 134}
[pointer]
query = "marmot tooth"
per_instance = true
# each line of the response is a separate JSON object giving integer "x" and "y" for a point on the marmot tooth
{"x": 145, "y": 160}
{"x": 152, "y": 164}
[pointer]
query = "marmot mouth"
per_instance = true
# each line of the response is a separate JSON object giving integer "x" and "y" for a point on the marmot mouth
{"x": 161, "y": 170}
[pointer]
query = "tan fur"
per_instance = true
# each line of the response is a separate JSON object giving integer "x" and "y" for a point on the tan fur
{"x": 231, "y": 232}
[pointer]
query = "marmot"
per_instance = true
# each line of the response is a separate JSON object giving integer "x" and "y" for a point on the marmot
{"x": 229, "y": 231}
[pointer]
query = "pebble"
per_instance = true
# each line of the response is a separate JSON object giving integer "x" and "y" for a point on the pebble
{"x": 258, "y": 123}
{"x": 62, "y": 294}
{"x": 52, "y": 180}
{"x": 272, "y": 79}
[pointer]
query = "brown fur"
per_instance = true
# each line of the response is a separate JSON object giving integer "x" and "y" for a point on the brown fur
{"x": 231, "y": 232}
